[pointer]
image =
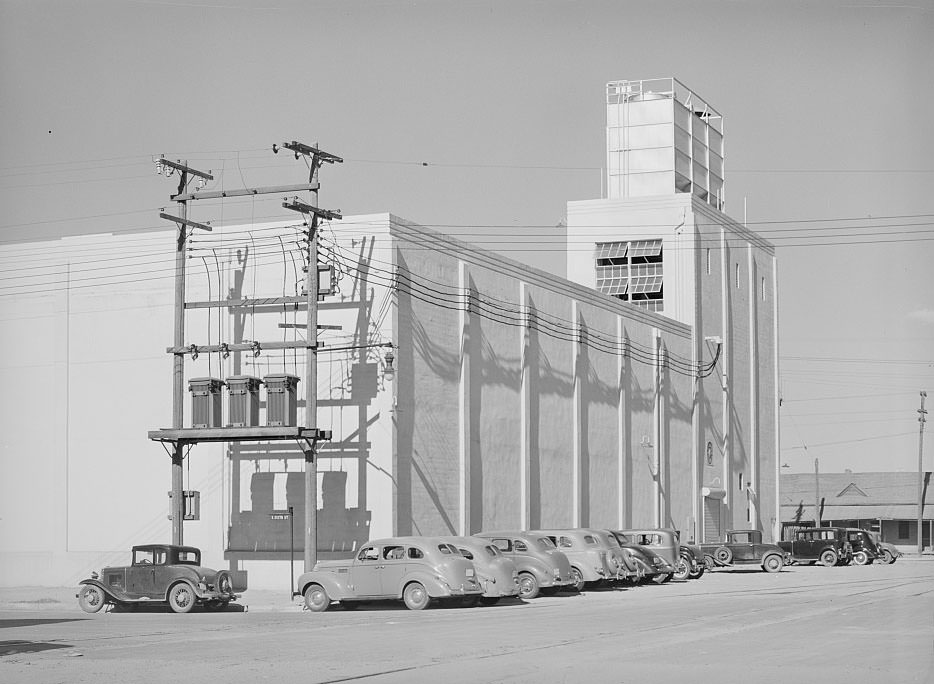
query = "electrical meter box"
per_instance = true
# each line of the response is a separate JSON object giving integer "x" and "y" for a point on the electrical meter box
{"x": 281, "y": 402}
{"x": 205, "y": 402}
{"x": 192, "y": 499}
{"x": 243, "y": 407}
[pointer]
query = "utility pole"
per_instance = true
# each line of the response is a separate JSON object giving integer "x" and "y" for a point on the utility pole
{"x": 817, "y": 520}
{"x": 316, "y": 157}
{"x": 921, "y": 421}
{"x": 178, "y": 361}
{"x": 179, "y": 437}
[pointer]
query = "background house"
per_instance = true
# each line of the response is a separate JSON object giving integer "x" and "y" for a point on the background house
{"x": 883, "y": 502}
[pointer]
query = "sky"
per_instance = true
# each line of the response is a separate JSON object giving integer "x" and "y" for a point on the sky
{"x": 482, "y": 119}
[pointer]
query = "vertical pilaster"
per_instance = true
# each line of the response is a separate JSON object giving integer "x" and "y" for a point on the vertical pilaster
{"x": 753, "y": 491}
{"x": 463, "y": 284}
{"x": 657, "y": 427}
{"x": 777, "y": 408}
{"x": 727, "y": 351}
{"x": 621, "y": 436}
{"x": 525, "y": 409}
{"x": 576, "y": 423}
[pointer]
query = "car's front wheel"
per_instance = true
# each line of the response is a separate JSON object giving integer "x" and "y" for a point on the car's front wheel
{"x": 683, "y": 569}
{"x": 701, "y": 568}
{"x": 828, "y": 558}
{"x": 317, "y": 599}
{"x": 528, "y": 585}
{"x": 861, "y": 558}
{"x": 182, "y": 598}
{"x": 415, "y": 596}
{"x": 91, "y": 598}
{"x": 888, "y": 557}
{"x": 772, "y": 563}
{"x": 577, "y": 579}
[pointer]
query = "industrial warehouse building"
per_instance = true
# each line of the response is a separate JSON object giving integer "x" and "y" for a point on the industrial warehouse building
{"x": 465, "y": 391}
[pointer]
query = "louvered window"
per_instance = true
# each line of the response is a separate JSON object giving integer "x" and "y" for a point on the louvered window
{"x": 631, "y": 271}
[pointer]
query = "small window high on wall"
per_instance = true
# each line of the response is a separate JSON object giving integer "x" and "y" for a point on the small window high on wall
{"x": 631, "y": 271}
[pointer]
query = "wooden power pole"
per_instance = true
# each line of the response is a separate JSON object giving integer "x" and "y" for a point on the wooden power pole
{"x": 315, "y": 157}
{"x": 921, "y": 421}
{"x": 181, "y": 438}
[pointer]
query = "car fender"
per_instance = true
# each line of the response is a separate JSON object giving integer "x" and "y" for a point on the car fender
{"x": 587, "y": 571}
{"x": 108, "y": 592}
{"x": 542, "y": 572}
{"x": 335, "y": 585}
{"x": 432, "y": 584}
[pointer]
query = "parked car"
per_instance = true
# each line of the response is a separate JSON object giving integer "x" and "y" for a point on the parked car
{"x": 890, "y": 552}
{"x": 414, "y": 569}
{"x": 497, "y": 574}
{"x": 692, "y": 564}
{"x": 663, "y": 542}
{"x": 541, "y": 567}
{"x": 745, "y": 547}
{"x": 588, "y": 557}
{"x": 864, "y": 548}
{"x": 161, "y": 573}
{"x": 827, "y": 545}
{"x": 650, "y": 563}
{"x": 619, "y": 561}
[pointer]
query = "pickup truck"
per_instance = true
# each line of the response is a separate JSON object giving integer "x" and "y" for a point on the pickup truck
{"x": 826, "y": 545}
{"x": 744, "y": 547}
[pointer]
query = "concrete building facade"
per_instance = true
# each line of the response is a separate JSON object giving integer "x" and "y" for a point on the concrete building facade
{"x": 509, "y": 397}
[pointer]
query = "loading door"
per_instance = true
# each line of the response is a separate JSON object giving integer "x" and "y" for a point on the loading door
{"x": 711, "y": 520}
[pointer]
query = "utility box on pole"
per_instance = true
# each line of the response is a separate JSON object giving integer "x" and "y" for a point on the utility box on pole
{"x": 243, "y": 407}
{"x": 281, "y": 401}
{"x": 205, "y": 402}
{"x": 191, "y": 507}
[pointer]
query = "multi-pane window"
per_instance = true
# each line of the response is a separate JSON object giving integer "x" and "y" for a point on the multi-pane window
{"x": 631, "y": 271}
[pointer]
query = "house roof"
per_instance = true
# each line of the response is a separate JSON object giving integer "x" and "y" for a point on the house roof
{"x": 891, "y": 496}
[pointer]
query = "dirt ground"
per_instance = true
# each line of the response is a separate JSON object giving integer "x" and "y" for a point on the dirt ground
{"x": 848, "y": 624}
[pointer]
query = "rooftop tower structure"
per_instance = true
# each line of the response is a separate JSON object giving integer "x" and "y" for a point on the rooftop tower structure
{"x": 661, "y": 137}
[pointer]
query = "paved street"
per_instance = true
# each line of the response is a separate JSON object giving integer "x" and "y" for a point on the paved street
{"x": 850, "y": 624}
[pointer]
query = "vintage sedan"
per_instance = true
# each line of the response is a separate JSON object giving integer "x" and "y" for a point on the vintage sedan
{"x": 161, "y": 573}
{"x": 497, "y": 574}
{"x": 692, "y": 564}
{"x": 654, "y": 568}
{"x": 414, "y": 569}
{"x": 864, "y": 548}
{"x": 619, "y": 560}
{"x": 745, "y": 547}
{"x": 663, "y": 542}
{"x": 542, "y": 568}
{"x": 826, "y": 545}
{"x": 890, "y": 552}
{"x": 588, "y": 557}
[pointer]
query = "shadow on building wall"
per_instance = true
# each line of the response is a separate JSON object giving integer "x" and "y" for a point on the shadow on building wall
{"x": 271, "y": 523}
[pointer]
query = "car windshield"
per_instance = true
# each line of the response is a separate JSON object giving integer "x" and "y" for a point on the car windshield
{"x": 611, "y": 540}
{"x": 622, "y": 538}
{"x": 545, "y": 544}
{"x": 492, "y": 550}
